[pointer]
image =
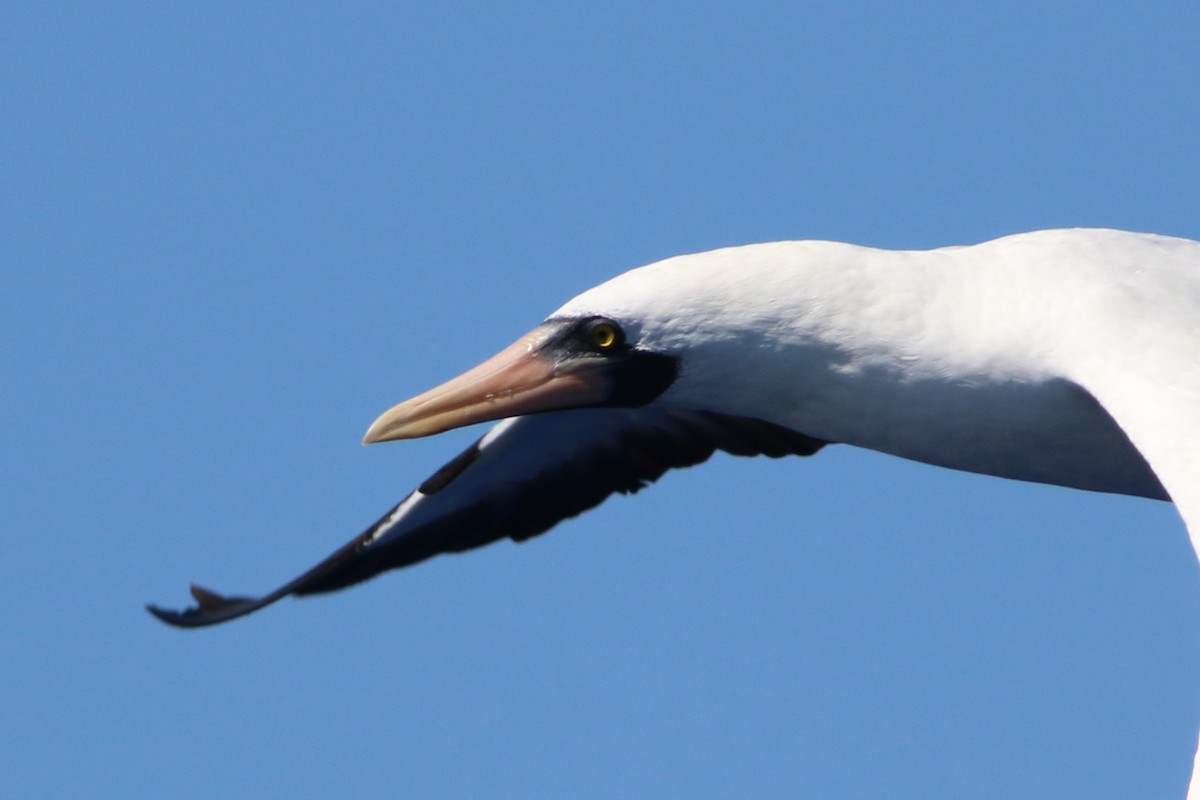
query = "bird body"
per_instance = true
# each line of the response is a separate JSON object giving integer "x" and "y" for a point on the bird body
{"x": 960, "y": 357}
{"x": 1067, "y": 357}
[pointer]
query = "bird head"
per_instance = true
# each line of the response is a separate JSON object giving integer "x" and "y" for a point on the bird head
{"x": 566, "y": 362}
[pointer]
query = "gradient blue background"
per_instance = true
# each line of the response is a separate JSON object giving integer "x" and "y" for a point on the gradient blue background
{"x": 232, "y": 234}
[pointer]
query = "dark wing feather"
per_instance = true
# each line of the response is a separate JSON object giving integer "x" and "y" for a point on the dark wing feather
{"x": 522, "y": 478}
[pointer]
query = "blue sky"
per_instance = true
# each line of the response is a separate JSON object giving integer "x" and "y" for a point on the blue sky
{"x": 232, "y": 234}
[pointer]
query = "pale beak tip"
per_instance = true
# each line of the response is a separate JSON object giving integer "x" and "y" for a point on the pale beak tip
{"x": 390, "y": 425}
{"x": 373, "y": 436}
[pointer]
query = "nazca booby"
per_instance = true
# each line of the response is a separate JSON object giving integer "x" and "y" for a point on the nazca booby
{"x": 1067, "y": 357}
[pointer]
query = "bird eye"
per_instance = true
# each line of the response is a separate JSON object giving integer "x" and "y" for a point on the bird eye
{"x": 604, "y": 335}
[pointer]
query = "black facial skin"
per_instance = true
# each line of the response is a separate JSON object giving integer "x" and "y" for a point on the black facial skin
{"x": 638, "y": 376}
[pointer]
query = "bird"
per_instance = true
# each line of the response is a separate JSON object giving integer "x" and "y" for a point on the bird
{"x": 1063, "y": 356}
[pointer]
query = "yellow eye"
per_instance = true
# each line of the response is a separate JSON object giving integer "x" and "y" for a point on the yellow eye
{"x": 604, "y": 335}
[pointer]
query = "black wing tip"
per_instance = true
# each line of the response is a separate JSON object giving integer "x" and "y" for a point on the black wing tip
{"x": 210, "y": 609}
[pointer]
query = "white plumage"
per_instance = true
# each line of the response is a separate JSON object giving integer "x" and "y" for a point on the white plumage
{"x": 1067, "y": 357}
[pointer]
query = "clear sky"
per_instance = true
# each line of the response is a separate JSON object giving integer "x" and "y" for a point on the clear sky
{"x": 231, "y": 234}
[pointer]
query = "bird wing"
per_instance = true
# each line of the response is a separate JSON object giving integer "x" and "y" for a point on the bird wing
{"x": 520, "y": 479}
{"x": 1159, "y": 410}
{"x": 1138, "y": 354}
{"x": 1162, "y": 420}
{"x": 1143, "y": 366}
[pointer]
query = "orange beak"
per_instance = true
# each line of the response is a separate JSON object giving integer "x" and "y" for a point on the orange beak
{"x": 518, "y": 380}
